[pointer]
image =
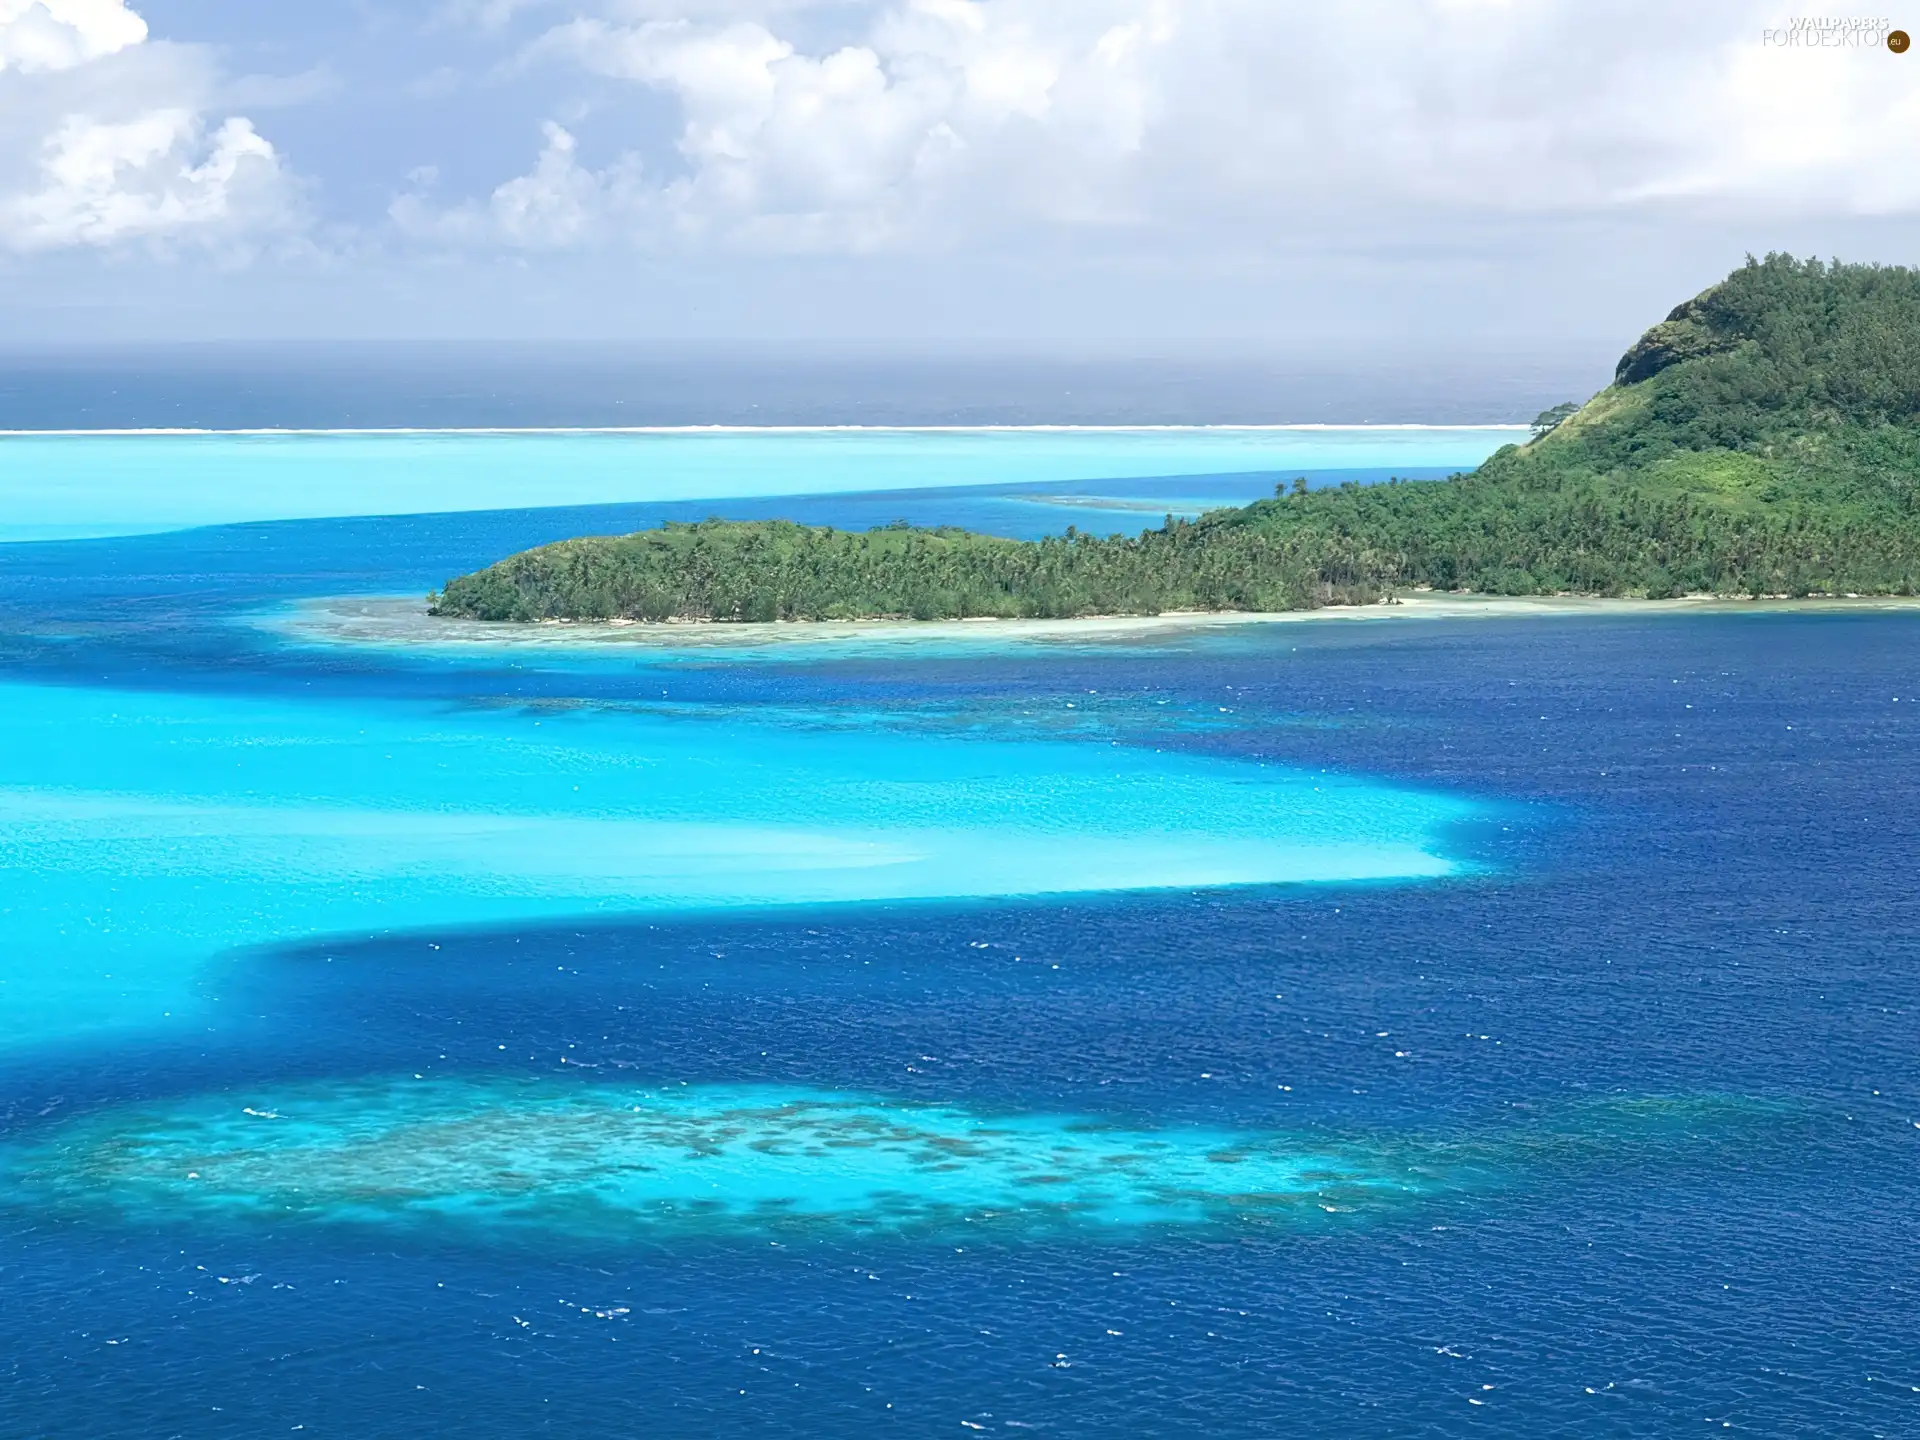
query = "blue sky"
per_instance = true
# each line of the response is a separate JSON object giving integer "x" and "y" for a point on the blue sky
{"x": 1370, "y": 175}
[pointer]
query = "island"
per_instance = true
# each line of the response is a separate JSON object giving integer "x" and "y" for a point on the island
{"x": 1762, "y": 440}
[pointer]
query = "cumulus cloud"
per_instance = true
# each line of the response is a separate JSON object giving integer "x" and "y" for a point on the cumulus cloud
{"x": 59, "y": 34}
{"x": 862, "y": 144}
{"x": 106, "y": 138}
{"x": 158, "y": 174}
{"x": 927, "y": 121}
{"x": 559, "y": 204}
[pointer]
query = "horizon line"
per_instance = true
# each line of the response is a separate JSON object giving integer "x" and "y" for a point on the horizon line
{"x": 269, "y": 430}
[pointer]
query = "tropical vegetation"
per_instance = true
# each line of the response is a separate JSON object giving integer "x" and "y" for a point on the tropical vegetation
{"x": 1763, "y": 439}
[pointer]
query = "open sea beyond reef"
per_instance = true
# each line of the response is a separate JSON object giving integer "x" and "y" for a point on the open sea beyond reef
{"x": 1421, "y": 1026}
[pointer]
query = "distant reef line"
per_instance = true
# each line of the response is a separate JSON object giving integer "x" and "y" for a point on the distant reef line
{"x": 1230, "y": 427}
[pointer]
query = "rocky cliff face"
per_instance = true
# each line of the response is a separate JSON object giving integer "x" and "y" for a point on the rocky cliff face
{"x": 1686, "y": 334}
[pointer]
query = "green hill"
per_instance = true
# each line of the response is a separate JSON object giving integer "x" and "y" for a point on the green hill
{"x": 1763, "y": 439}
{"x": 776, "y": 570}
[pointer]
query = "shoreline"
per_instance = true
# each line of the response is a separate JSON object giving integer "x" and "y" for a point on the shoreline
{"x": 388, "y": 620}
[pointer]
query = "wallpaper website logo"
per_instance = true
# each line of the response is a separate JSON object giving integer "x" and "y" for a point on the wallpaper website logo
{"x": 1836, "y": 32}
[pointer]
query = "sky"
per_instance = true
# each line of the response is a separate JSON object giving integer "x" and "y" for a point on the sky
{"x": 1363, "y": 177}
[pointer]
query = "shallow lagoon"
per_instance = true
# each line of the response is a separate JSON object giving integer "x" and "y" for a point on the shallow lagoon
{"x": 1587, "y": 1043}
{"x": 161, "y": 830}
{"x": 70, "y": 485}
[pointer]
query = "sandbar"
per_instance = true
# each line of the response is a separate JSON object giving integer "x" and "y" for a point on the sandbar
{"x": 402, "y": 620}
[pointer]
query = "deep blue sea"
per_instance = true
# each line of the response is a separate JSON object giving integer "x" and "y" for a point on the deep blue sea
{"x": 318, "y": 385}
{"x": 1383, "y": 1027}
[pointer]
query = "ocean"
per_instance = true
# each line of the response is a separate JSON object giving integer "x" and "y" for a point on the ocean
{"x": 235, "y": 385}
{"x": 85, "y": 485}
{"x": 1392, "y": 1026}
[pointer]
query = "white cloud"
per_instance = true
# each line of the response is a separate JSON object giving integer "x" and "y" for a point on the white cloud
{"x": 156, "y": 176}
{"x": 559, "y": 204}
{"x": 60, "y": 34}
{"x": 1543, "y": 108}
{"x": 862, "y": 145}
{"x": 107, "y": 139}
{"x": 1239, "y": 121}
{"x": 1809, "y": 130}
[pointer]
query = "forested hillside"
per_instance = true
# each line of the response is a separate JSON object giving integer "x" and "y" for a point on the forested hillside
{"x": 1763, "y": 439}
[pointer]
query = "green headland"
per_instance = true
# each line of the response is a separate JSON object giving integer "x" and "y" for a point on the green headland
{"x": 1763, "y": 439}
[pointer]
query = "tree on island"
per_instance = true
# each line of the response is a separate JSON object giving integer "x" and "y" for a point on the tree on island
{"x": 1763, "y": 439}
{"x": 1548, "y": 421}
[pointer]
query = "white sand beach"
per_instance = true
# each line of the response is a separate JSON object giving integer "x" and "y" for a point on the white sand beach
{"x": 402, "y": 620}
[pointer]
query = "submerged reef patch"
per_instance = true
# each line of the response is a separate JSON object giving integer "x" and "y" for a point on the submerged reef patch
{"x": 495, "y": 1158}
{"x": 600, "y": 1161}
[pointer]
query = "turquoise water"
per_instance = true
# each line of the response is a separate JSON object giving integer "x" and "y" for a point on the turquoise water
{"x": 598, "y": 1159}
{"x": 77, "y": 485}
{"x": 1247, "y": 1030}
{"x": 499, "y": 1159}
{"x": 164, "y": 829}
